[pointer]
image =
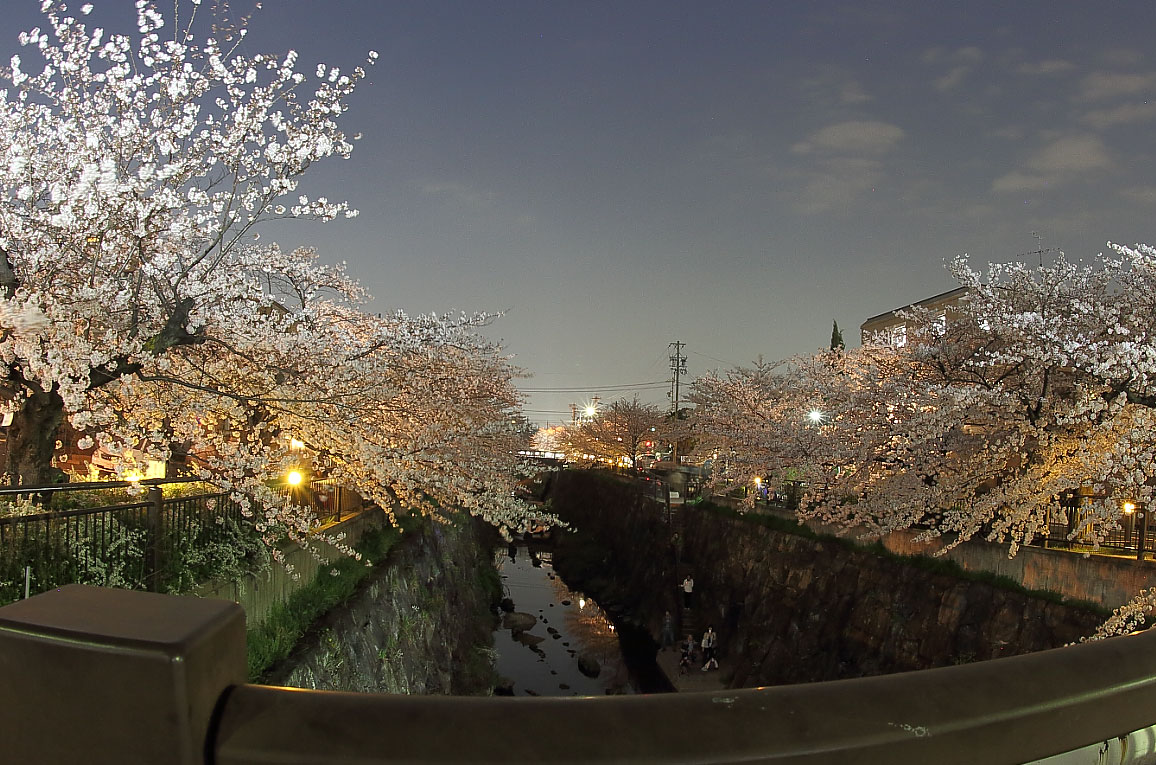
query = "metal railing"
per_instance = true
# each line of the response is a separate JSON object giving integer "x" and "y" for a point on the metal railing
{"x": 1069, "y": 528}
{"x": 140, "y": 677}
{"x": 160, "y": 544}
{"x": 330, "y": 502}
{"x": 163, "y": 544}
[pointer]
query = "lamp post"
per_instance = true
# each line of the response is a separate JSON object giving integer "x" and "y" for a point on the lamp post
{"x": 1142, "y": 539}
{"x": 1129, "y": 515}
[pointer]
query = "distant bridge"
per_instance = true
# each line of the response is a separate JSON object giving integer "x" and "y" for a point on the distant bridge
{"x": 110, "y": 676}
{"x": 551, "y": 459}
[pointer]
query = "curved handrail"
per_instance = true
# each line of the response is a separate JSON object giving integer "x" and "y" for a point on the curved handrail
{"x": 1015, "y": 709}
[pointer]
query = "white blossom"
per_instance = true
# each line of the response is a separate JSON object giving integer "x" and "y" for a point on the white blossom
{"x": 141, "y": 301}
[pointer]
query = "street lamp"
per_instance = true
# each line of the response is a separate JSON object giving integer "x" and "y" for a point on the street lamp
{"x": 815, "y": 416}
{"x": 294, "y": 478}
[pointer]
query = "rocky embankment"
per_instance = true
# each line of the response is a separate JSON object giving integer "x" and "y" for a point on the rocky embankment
{"x": 792, "y": 608}
{"x": 421, "y": 624}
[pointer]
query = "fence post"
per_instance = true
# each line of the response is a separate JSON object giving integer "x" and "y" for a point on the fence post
{"x": 1142, "y": 543}
{"x": 153, "y": 554}
{"x": 100, "y": 676}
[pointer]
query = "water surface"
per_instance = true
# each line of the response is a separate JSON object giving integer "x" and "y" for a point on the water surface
{"x": 543, "y": 660}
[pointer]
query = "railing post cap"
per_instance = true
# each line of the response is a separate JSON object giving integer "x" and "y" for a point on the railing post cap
{"x": 100, "y": 675}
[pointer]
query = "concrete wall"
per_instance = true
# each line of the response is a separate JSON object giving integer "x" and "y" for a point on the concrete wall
{"x": 258, "y": 593}
{"x": 1107, "y": 580}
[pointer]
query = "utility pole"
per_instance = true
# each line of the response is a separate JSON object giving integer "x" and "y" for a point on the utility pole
{"x": 677, "y": 370}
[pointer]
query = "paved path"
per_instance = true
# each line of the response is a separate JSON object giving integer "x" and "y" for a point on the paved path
{"x": 695, "y": 679}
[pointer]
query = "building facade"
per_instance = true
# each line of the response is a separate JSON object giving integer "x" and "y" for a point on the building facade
{"x": 890, "y": 328}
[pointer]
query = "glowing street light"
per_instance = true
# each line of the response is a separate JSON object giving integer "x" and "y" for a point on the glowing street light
{"x": 1129, "y": 508}
{"x": 590, "y": 411}
{"x": 815, "y": 416}
{"x": 294, "y": 478}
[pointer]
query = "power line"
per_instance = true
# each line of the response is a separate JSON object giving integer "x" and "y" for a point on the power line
{"x": 586, "y": 388}
{"x": 712, "y": 358}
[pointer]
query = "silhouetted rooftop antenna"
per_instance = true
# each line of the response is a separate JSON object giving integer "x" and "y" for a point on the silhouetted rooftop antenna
{"x": 1039, "y": 250}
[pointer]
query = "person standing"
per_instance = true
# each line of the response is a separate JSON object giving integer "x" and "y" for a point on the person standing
{"x": 709, "y": 642}
{"x": 667, "y": 639}
{"x": 687, "y": 590}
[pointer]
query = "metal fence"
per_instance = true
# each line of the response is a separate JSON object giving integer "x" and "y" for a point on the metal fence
{"x": 330, "y": 502}
{"x": 160, "y": 544}
{"x": 163, "y": 544}
{"x": 1071, "y": 528}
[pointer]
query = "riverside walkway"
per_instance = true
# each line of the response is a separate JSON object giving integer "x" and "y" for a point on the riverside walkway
{"x": 693, "y": 680}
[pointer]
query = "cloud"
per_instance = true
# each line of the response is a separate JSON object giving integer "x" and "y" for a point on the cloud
{"x": 961, "y": 60}
{"x": 854, "y": 137}
{"x": 1009, "y": 132}
{"x": 834, "y": 86}
{"x": 1143, "y": 195}
{"x": 1017, "y": 181}
{"x": 1099, "y": 86}
{"x": 1074, "y": 154}
{"x": 1122, "y": 57}
{"x": 836, "y": 182}
{"x": 1121, "y": 115}
{"x": 853, "y": 93}
{"x": 459, "y": 193}
{"x": 1061, "y": 161}
{"x": 966, "y": 55}
{"x": 951, "y": 79}
{"x": 1046, "y": 67}
{"x": 846, "y": 162}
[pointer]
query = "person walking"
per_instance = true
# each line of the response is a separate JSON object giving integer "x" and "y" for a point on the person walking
{"x": 709, "y": 642}
{"x": 667, "y": 639}
{"x": 687, "y": 590}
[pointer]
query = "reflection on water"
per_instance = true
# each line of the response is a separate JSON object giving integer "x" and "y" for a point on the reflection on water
{"x": 543, "y": 660}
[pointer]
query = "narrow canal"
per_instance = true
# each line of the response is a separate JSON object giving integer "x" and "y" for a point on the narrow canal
{"x": 558, "y": 642}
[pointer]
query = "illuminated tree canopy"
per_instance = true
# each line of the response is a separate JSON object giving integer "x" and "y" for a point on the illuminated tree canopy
{"x": 1040, "y": 382}
{"x": 137, "y": 302}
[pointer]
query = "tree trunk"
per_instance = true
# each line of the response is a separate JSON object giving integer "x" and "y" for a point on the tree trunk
{"x": 32, "y": 441}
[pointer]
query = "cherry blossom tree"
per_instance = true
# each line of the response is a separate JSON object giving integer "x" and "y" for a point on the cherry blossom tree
{"x": 136, "y": 301}
{"x": 1041, "y": 382}
{"x": 616, "y": 432}
{"x": 977, "y": 425}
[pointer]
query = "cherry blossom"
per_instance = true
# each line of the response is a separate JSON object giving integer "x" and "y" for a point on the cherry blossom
{"x": 1041, "y": 382}
{"x": 136, "y": 301}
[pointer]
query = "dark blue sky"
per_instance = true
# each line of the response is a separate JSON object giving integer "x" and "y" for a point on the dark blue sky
{"x": 736, "y": 175}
